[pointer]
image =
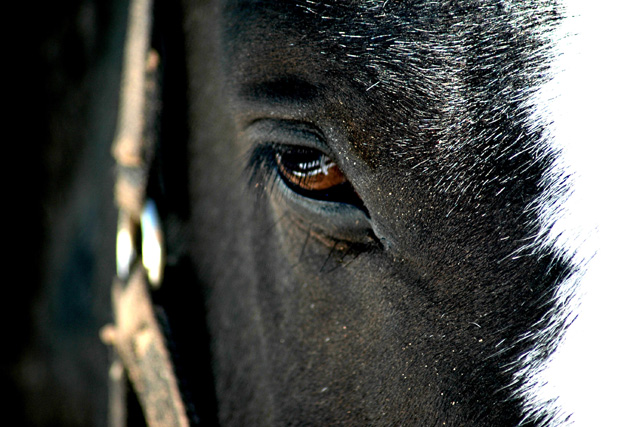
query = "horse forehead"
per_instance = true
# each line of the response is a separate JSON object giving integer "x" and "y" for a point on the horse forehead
{"x": 346, "y": 44}
{"x": 428, "y": 65}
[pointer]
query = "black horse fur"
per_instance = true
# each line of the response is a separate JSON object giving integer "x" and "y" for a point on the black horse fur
{"x": 415, "y": 308}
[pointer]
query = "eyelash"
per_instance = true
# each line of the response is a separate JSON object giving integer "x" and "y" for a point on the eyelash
{"x": 262, "y": 167}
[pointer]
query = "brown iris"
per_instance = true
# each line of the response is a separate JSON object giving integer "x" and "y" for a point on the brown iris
{"x": 309, "y": 169}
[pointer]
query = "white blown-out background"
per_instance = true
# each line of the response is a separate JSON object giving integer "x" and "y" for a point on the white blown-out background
{"x": 593, "y": 102}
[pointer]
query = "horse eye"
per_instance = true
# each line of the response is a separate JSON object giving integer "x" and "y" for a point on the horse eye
{"x": 312, "y": 174}
{"x": 308, "y": 170}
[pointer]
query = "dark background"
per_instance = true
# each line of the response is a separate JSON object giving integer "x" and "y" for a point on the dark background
{"x": 62, "y": 66}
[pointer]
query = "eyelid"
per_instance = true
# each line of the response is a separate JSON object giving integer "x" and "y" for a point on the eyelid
{"x": 339, "y": 221}
{"x": 286, "y": 132}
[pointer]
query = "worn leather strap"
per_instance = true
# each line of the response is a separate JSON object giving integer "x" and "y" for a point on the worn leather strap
{"x": 141, "y": 351}
{"x": 140, "y": 343}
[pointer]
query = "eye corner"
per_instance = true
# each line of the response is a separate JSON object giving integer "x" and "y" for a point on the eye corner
{"x": 260, "y": 166}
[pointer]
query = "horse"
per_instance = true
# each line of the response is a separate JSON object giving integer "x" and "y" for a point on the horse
{"x": 396, "y": 213}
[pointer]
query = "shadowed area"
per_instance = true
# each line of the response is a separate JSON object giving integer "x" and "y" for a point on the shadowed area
{"x": 68, "y": 72}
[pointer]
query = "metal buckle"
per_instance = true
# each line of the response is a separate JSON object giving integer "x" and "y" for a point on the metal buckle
{"x": 151, "y": 249}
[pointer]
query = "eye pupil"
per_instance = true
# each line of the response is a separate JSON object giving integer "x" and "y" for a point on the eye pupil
{"x": 309, "y": 169}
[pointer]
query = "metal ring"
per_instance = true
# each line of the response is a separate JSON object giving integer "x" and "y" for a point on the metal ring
{"x": 125, "y": 246}
{"x": 153, "y": 253}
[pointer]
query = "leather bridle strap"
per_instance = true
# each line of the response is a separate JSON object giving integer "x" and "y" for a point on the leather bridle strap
{"x": 141, "y": 350}
{"x": 141, "y": 346}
